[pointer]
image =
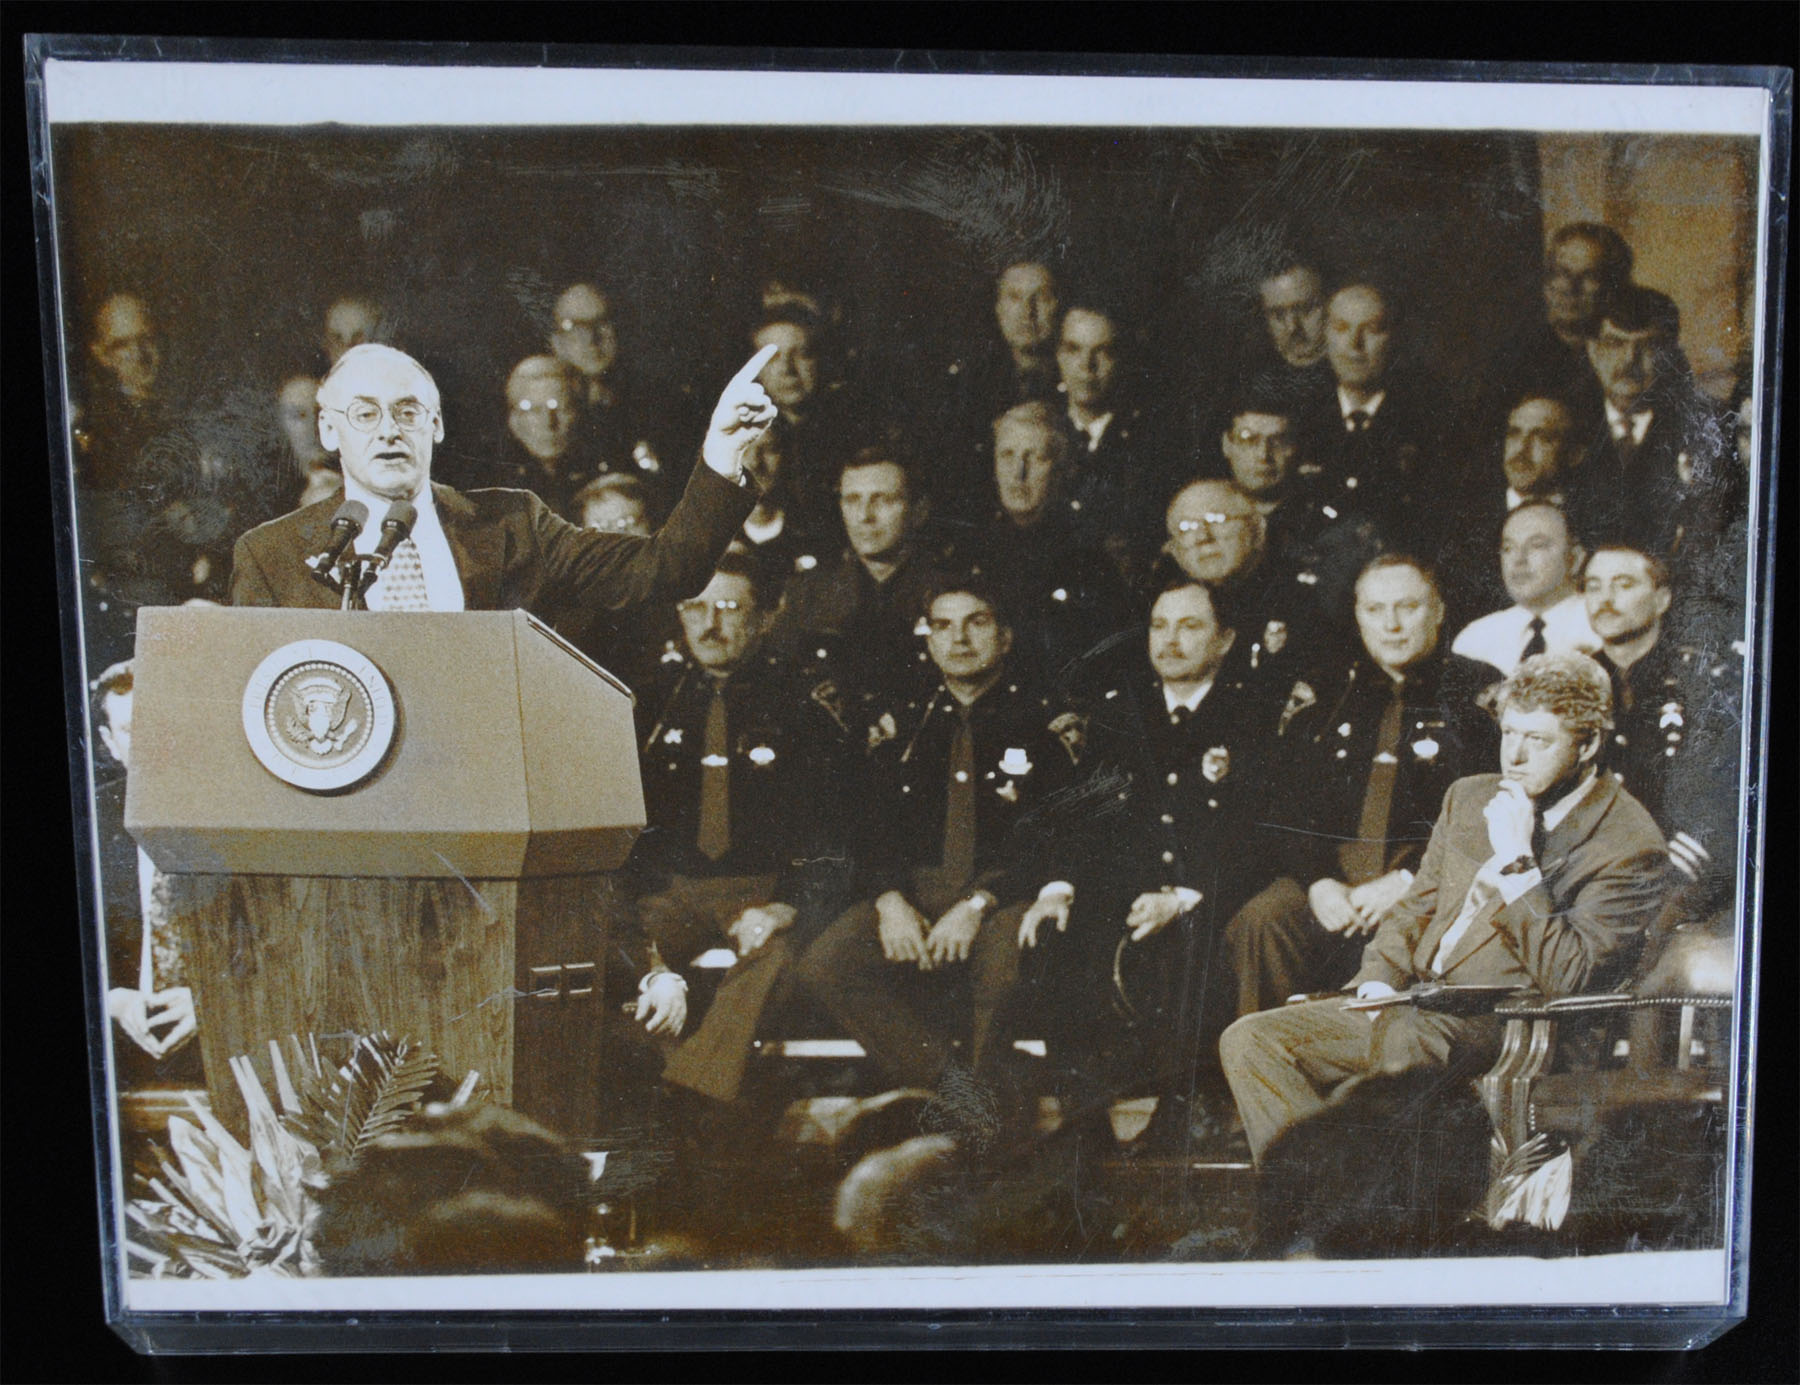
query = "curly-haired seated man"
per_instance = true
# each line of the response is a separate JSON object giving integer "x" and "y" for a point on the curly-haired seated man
{"x": 1544, "y": 876}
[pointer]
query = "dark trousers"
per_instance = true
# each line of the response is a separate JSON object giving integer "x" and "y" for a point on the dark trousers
{"x": 684, "y": 920}
{"x": 1276, "y": 948}
{"x": 1284, "y": 1064}
{"x": 907, "y": 1019}
{"x": 1123, "y": 1018}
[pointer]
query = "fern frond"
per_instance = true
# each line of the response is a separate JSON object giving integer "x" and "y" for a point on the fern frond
{"x": 393, "y": 1082}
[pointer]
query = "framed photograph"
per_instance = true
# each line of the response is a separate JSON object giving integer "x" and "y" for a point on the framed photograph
{"x": 987, "y": 699}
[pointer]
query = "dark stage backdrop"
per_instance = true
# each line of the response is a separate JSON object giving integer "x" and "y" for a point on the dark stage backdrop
{"x": 241, "y": 237}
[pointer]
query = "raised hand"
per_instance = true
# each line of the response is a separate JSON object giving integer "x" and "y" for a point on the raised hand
{"x": 742, "y": 415}
{"x": 174, "y": 1008}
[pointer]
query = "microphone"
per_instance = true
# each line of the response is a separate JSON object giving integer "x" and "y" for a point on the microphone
{"x": 346, "y": 524}
{"x": 395, "y": 526}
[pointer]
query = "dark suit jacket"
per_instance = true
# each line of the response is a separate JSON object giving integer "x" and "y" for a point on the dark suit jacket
{"x": 513, "y": 552}
{"x": 1408, "y": 473}
{"x": 1605, "y": 874}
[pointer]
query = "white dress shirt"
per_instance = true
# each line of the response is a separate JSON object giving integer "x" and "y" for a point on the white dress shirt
{"x": 1189, "y": 703}
{"x": 443, "y": 583}
{"x": 1637, "y": 424}
{"x": 1371, "y": 406}
{"x": 1094, "y": 431}
{"x": 1500, "y": 638}
{"x": 1514, "y": 499}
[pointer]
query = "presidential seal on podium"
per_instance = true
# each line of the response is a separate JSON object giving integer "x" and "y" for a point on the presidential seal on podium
{"x": 319, "y": 715}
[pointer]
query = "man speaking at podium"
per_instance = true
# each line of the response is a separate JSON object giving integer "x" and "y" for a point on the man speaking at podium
{"x": 488, "y": 550}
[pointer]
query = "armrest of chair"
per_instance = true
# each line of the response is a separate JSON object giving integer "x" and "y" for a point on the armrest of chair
{"x": 1529, "y": 1005}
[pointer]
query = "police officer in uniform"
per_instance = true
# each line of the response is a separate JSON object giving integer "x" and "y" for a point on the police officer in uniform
{"x": 1064, "y": 599}
{"x": 1367, "y": 754}
{"x": 959, "y": 779}
{"x": 1218, "y": 536}
{"x": 1154, "y": 850}
{"x": 1319, "y": 541}
{"x": 744, "y": 768}
{"x": 854, "y": 617}
{"x": 1674, "y": 740}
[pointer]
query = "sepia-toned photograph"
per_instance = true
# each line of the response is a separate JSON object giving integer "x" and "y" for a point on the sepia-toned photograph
{"x": 769, "y": 690}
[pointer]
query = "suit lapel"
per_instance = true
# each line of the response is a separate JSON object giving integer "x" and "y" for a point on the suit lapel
{"x": 312, "y": 531}
{"x": 478, "y": 549}
{"x": 1553, "y": 859}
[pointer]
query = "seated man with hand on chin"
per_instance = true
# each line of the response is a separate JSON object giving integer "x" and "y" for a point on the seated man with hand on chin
{"x": 1543, "y": 876}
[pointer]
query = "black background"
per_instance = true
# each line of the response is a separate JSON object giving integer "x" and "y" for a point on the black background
{"x": 55, "y": 1326}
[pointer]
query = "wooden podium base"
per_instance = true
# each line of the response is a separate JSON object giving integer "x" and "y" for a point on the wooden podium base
{"x": 434, "y": 961}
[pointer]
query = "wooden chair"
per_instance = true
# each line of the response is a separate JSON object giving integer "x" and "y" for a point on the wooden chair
{"x": 1612, "y": 1106}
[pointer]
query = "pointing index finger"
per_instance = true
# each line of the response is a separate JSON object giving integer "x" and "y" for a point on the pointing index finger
{"x": 749, "y": 373}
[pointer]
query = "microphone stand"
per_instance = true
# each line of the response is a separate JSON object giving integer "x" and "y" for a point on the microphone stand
{"x": 350, "y": 579}
{"x": 359, "y": 574}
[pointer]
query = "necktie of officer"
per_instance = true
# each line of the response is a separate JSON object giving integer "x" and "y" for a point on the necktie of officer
{"x": 1625, "y": 441}
{"x": 1358, "y": 421}
{"x": 402, "y": 581}
{"x": 1366, "y": 857}
{"x": 959, "y": 809}
{"x": 715, "y": 781}
{"x": 1535, "y": 644}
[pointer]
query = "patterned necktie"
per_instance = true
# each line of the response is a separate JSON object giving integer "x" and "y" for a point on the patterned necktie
{"x": 715, "y": 781}
{"x": 402, "y": 581}
{"x": 959, "y": 809}
{"x": 1534, "y": 645}
{"x": 1365, "y": 858}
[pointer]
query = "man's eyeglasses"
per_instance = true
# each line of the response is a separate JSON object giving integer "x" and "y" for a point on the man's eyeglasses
{"x": 364, "y": 415}
{"x": 1185, "y": 527}
{"x": 696, "y": 607}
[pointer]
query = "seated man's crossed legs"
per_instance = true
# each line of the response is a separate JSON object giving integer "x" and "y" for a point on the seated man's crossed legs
{"x": 1284, "y": 1065}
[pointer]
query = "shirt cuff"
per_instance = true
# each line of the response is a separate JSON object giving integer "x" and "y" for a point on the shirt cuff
{"x": 1189, "y": 898}
{"x": 1516, "y": 887}
{"x": 1057, "y": 887}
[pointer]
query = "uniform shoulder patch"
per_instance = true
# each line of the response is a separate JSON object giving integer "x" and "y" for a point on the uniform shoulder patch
{"x": 1300, "y": 697}
{"x": 830, "y": 697}
{"x": 1071, "y": 730}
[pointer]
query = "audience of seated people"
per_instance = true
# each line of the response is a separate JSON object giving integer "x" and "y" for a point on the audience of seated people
{"x": 1035, "y": 725}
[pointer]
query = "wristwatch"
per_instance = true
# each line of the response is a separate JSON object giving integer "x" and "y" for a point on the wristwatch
{"x": 1519, "y": 865}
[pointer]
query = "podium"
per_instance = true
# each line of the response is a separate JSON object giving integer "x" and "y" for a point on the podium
{"x": 399, "y": 821}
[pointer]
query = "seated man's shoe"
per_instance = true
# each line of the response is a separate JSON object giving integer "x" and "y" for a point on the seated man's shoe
{"x": 1204, "y": 1130}
{"x": 882, "y": 1121}
{"x": 1168, "y": 1135}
